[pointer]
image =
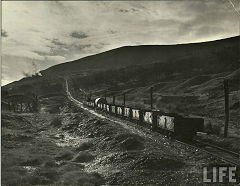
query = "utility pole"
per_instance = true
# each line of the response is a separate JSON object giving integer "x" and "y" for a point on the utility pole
{"x": 113, "y": 100}
{"x": 226, "y": 93}
{"x": 124, "y": 99}
{"x": 90, "y": 96}
{"x": 105, "y": 95}
{"x": 151, "y": 97}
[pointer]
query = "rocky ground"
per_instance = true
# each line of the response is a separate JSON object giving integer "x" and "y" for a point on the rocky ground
{"x": 66, "y": 145}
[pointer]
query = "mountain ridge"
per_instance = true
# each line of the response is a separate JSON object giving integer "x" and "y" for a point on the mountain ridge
{"x": 133, "y": 55}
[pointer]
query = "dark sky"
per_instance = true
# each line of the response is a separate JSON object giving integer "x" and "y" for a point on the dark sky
{"x": 36, "y": 35}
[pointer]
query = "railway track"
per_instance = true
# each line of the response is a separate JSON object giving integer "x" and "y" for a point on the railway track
{"x": 223, "y": 154}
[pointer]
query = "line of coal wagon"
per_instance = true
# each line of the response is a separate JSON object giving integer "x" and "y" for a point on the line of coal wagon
{"x": 171, "y": 124}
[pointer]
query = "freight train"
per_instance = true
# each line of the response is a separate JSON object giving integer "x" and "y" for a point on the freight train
{"x": 170, "y": 124}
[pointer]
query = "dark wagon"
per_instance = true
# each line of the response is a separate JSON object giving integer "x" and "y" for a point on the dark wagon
{"x": 170, "y": 124}
{"x": 179, "y": 127}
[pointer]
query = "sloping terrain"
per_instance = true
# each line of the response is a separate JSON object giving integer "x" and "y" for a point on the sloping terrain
{"x": 197, "y": 95}
{"x": 70, "y": 146}
{"x": 187, "y": 79}
{"x": 215, "y": 54}
{"x": 62, "y": 144}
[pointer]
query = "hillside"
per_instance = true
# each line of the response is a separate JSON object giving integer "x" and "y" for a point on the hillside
{"x": 59, "y": 143}
{"x": 213, "y": 53}
{"x": 187, "y": 79}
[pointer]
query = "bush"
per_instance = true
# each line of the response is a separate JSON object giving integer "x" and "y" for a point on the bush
{"x": 56, "y": 122}
{"x": 160, "y": 164}
{"x": 84, "y": 146}
{"x": 32, "y": 162}
{"x": 50, "y": 163}
{"x": 129, "y": 141}
{"x": 64, "y": 156}
{"x": 83, "y": 157}
{"x": 84, "y": 179}
{"x": 131, "y": 144}
{"x": 48, "y": 173}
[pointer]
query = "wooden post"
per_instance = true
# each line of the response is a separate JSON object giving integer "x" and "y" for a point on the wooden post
{"x": 124, "y": 99}
{"x": 226, "y": 93}
{"x": 151, "y": 97}
{"x": 105, "y": 96}
{"x": 21, "y": 107}
{"x": 14, "y": 106}
{"x": 9, "y": 106}
{"x": 29, "y": 107}
{"x": 90, "y": 96}
{"x": 113, "y": 100}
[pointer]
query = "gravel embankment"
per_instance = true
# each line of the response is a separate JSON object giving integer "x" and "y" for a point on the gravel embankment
{"x": 75, "y": 147}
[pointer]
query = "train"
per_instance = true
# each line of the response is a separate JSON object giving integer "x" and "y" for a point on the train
{"x": 170, "y": 124}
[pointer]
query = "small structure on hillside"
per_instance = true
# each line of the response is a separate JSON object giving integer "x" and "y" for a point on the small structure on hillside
{"x": 21, "y": 103}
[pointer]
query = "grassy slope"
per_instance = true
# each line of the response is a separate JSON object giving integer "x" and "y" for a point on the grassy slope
{"x": 68, "y": 146}
{"x": 200, "y": 95}
{"x": 186, "y": 78}
{"x": 143, "y": 55}
{"x": 191, "y": 86}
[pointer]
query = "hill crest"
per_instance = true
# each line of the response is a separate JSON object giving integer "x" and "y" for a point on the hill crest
{"x": 140, "y": 55}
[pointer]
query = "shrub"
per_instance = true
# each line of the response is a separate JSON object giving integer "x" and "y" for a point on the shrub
{"x": 50, "y": 163}
{"x": 32, "y": 162}
{"x": 84, "y": 146}
{"x": 83, "y": 179}
{"x": 131, "y": 143}
{"x": 56, "y": 122}
{"x": 83, "y": 157}
{"x": 64, "y": 156}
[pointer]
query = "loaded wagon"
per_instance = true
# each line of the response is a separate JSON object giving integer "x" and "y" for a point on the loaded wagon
{"x": 179, "y": 127}
{"x": 170, "y": 124}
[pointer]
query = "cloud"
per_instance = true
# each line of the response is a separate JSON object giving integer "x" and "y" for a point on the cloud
{"x": 204, "y": 30}
{"x": 78, "y": 35}
{"x": 17, "y": 67}
{"x": 26, "y": 74}
{"x": 57, "y": 42}
{"x": 208, "y": 21}
{"x": 123, "y": 10}
{"x": 58, "y": 59}
{"x": 111, "y": 31}
{"x": 4, "y": 33}
{"x": 128, "y": 10}
{"x": 60, "y": 31}
{"x": 59, "y": 48}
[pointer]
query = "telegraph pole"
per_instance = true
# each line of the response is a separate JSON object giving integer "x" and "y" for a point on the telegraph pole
{"x": 90, "y": 96}
{"x": 151, "y": 97}
{"x": 124, "y": 99}
{"x": 105, "y": 96}
{"x": 226, "y": 94}
{"x": 113, "y": 100}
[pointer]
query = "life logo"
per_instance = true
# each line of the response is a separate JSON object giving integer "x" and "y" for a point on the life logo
{"x": 221, "y": 174}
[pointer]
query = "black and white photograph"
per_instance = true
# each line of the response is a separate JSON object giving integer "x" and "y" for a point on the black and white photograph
{"x": 120, "y": 93}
